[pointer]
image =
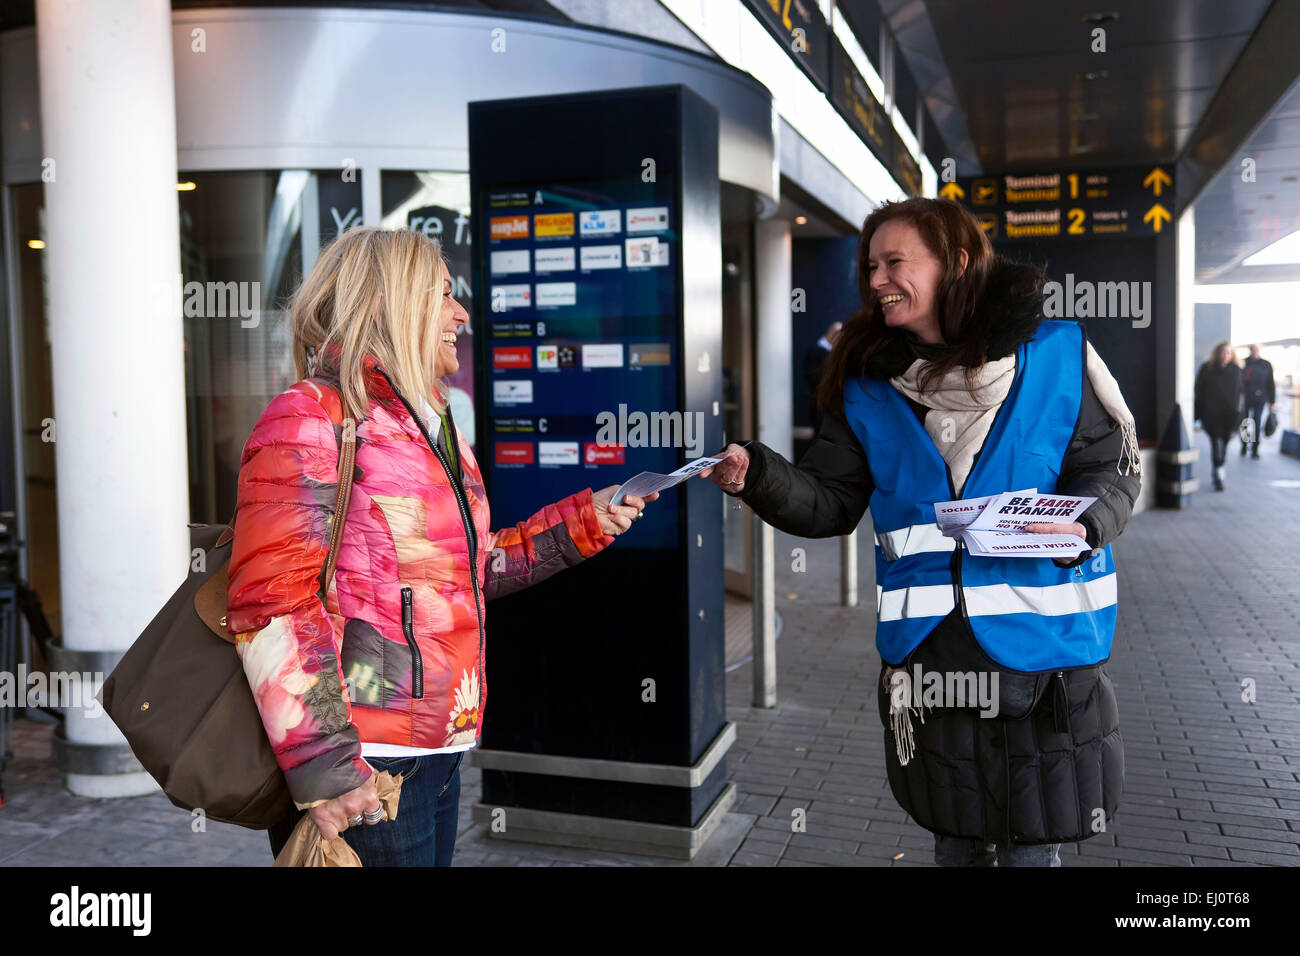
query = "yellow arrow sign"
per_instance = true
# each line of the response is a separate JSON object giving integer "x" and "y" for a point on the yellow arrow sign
{"x": 952, "y": 191}
{"x": 1157, "y": 180}
{"x": 1154, "y": 216}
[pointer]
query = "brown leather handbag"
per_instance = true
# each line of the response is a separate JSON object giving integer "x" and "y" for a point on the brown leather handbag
{"x": 180, "y": 697}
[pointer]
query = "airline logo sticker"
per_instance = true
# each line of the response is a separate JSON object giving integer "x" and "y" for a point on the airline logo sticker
{"x": 602, "y": 356}
{"x": 605, "y": 222}
{"x": 646, "y": 252}
{"x": 557, "y": 293}
{"x": 548, "y": 356}
{"x": 650, "y": 219}
{"x": 648, "y": 353}
{"x": 557, "y": 453}
{"x": 595, "y": 453}
{"x": 513, "y": 392}
{"x": 512, "y": 356}
{"x": 503, "y": 297}
{"x": 508, "y": 227}
{"x": 553, "y": 224}
{"x": 509, "y": 260}
{"x": 515, "y": 453}
{"x": 602, "y": 257}
{"x": 554, "y": 260}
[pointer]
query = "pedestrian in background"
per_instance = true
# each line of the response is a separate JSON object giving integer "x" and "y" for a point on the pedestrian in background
{"x": 949, "y": 383}
{"x": 814, "y": 363}
{"x": 1258, "y": 391}
{"x": 1217, "y": 404}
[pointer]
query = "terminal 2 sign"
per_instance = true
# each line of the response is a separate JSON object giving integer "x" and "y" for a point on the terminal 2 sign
{"x": 1133, "y": 201}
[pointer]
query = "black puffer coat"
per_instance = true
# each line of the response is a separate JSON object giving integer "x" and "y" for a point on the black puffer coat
{"x": 1050, "y": 775}
{"x": 1217, "y": 397}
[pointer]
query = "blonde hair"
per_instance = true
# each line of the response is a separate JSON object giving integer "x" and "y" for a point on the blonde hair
{"x": 374, "y": 292}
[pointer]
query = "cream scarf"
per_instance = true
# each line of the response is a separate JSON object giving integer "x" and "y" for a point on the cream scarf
{"x": 959, "y": 418}
{"x": 958, "y": 421}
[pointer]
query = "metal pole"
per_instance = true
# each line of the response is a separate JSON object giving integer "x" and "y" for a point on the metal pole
{"x": 764, "y": 613}
{"x": 849, "y": 570}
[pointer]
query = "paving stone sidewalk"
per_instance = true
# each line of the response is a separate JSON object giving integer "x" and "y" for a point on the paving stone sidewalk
{"x": 1209, "y": 607}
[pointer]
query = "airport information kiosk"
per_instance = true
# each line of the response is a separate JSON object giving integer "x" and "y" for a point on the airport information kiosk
{"x": 598, "y": 340}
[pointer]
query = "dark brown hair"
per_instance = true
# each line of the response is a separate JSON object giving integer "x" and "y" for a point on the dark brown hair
{"x": 946, "y": 228}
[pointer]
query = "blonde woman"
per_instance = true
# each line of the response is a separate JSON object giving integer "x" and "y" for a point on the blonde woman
{"x": 384, "y": 671}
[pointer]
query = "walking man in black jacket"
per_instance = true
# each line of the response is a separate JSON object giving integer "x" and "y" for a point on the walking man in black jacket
{"x": 1258, "y": 390}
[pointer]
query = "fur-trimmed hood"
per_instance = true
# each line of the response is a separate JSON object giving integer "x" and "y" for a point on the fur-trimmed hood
{"x": 1011, "y": 306}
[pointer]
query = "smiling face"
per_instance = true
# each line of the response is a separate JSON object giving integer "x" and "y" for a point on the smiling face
{"x": 904, "y": 275}
{"x": 450, "y": 320}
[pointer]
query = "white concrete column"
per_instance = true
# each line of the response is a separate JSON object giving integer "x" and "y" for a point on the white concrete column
{"x": 774, "y": 341}
{"x": 109, "y": 138}
{"x": 1185, "y": 358}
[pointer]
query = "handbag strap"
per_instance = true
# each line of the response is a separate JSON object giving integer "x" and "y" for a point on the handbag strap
{"x": 347, "y": 463}
{"x": 347, "y": 466}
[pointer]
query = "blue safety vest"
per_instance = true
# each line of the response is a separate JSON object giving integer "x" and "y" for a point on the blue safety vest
{"x": 1028, "y": 614}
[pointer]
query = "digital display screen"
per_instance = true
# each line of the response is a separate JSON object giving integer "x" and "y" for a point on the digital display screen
{"x": 579, "y": 344}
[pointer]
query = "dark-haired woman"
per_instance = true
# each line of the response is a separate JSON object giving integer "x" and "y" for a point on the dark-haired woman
{"x": 949, "y": 384}
{"x": 1217, "y": 404}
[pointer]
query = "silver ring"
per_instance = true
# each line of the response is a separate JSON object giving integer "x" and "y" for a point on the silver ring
{"x": 638, "y": 516}
{"x": 375, "y": 815}
{"x": 733, "y": 482}
{"x": 353, "y": 821}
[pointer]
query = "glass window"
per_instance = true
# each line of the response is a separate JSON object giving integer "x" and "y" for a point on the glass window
{"x": 247, "y": 239}
{"x": 40, "y": 531}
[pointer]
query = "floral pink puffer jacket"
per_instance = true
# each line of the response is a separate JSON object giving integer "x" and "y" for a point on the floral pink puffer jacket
{"x": 401, "y": 627}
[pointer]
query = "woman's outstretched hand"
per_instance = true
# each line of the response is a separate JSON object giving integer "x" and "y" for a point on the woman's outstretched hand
{"x": 729, "y": 475}
{"x": 615, "y": 519}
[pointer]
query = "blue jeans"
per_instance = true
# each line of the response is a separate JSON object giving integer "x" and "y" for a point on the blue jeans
{"x": 952, "y": 851}
{"x": 424, "y": 833}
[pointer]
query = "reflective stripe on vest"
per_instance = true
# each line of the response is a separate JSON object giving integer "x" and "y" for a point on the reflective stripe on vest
{"x": 936, "y": 600}
{"x": 1027, "y": 613}
{"x": 913, "y": 540}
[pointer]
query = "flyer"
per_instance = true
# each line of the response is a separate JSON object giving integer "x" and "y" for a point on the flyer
{"x": 994, "y": 525}
{"x": 648, "y": 482}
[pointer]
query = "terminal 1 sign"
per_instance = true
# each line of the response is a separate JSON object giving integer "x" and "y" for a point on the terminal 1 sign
{"x": 1132, "y": 201}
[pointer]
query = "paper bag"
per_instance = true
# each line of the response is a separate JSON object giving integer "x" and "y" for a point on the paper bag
{"x": 307, "y": 847}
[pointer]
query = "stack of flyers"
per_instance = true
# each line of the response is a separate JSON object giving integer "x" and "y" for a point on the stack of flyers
{"x": 994, "y": 526}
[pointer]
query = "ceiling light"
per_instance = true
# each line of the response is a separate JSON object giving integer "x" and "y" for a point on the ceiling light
{"x": 186, "y": 186}
{"x": 35, "y": 243}
{"x": 801, "y": 220}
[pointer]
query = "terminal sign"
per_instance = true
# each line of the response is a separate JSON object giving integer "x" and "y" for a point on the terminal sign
{"x": 1134, "y": 201}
